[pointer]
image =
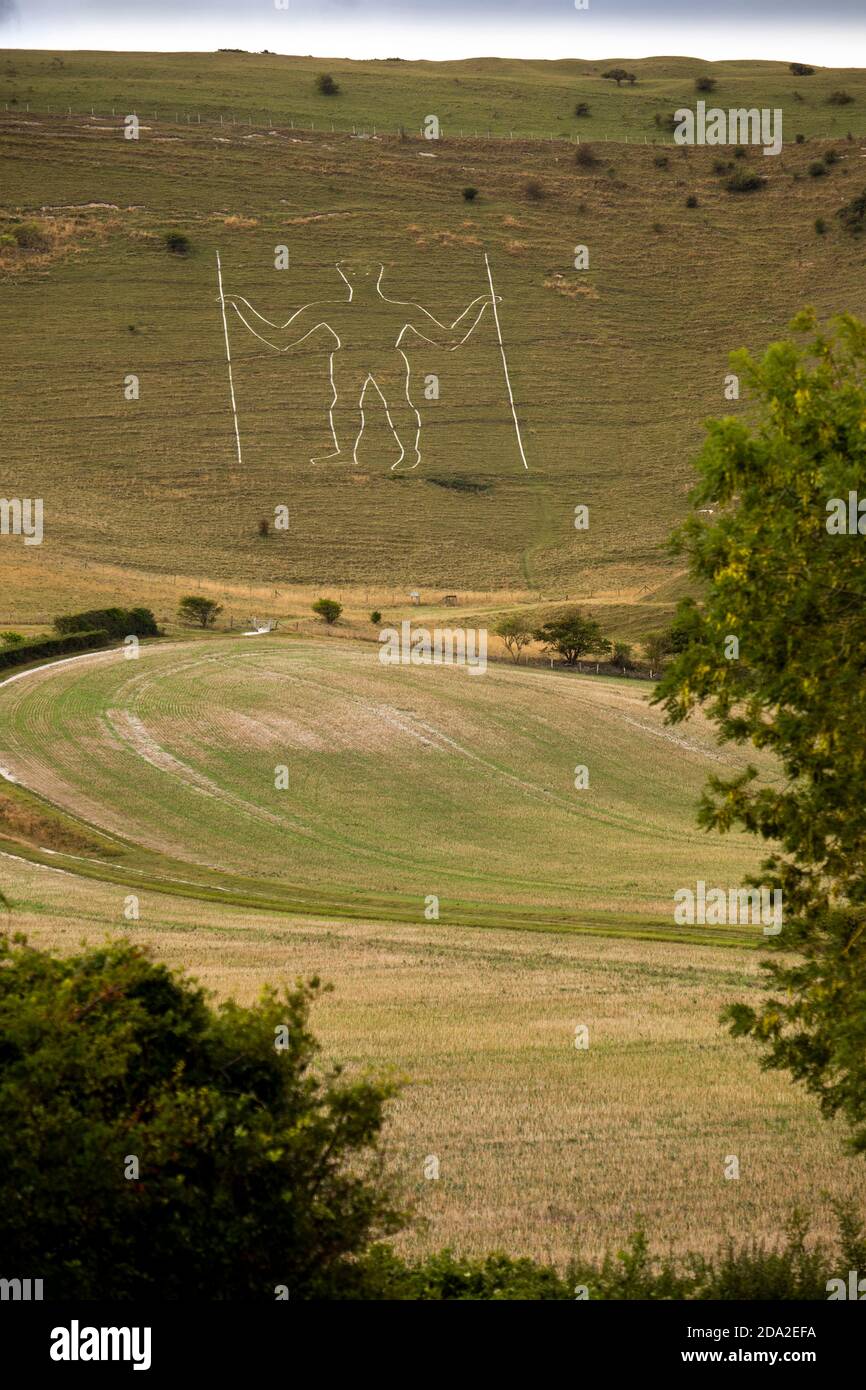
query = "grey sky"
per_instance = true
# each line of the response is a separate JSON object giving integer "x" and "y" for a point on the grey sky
{"x": 832, "y": 32}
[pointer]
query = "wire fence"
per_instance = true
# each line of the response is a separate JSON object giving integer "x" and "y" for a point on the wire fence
{"x": 266, "y": 120}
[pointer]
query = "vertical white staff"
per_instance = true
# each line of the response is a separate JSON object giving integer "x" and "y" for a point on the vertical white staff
{"x": 504, "y": 362}
{"x": 229, "y": 357}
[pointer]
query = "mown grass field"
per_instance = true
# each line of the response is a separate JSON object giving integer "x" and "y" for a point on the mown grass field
{"x": 613, "y": 368}
{"x": 540, "y": 1145}
{"x": 401, "y": 783}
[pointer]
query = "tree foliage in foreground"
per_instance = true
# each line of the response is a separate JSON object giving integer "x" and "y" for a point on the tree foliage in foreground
{"x": 260, "y": 1173}
{"x": 256, "y": 1167}
{"x": 784, "y": 577}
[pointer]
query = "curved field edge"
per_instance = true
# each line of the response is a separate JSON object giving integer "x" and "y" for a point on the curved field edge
{"x": 114, "y": 858}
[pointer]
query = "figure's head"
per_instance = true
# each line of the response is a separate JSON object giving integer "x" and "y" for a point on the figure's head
{"x": 360, "y": 273}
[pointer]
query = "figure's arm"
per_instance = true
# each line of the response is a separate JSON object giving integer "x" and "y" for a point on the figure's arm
{"x": 447, "y": 337}
{"x": 301, "y": 322}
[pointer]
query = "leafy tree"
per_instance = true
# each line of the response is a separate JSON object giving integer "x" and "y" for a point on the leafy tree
{"x": 782, "y": 577}
{"x": 12, "y": 639}
{"x": 801, "y": 69}
{"x": 516, "y": 631}
{"x": 256, "y": 1166}
{"x": 198, "y": 611}
{"x": 657, "y": 646}
{"x": 622, "y": 656}
{"x": 619, "y": 75}
{"x": 327, "y": 85}
{"x": 705, "y": 84}
{"x": 813, "y": 1024}
{"x": 328, "y": 608}
{"x": 571, "y": 634}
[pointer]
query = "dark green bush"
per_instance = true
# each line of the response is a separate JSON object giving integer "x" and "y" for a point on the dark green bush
{"x": 119, "y": 622}
{"x": 743, "y": 181}
{"x": 178, "y": 243}
{"x": 256, "y": 1166}
{"x": 53, "y": 646}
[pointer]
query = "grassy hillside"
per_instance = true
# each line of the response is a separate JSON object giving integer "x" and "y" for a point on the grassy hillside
{"x": 540, "y": 1145}
{"x": 501, "y": 95}
{"x": 613, "y": 368}
{"x": 402, "y": 782}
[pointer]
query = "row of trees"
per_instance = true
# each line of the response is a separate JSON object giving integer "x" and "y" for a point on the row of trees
{"x": 571, "y": 634}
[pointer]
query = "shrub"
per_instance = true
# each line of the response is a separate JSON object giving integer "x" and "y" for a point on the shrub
{"x": 326, "y": 85}
{"x": 691, "y": 201}
{"x": 178, "y": 243}
{"x": 801, "y": 69}
{"x": 840, "y": 98}
{"x": 585, "y": 157}
{"x": 705, "y": 84}
{"x": 799, "y": 138}
{"x": 853, "y": 214}
{"x": 470, "y": 194}
{"x": 661, "y": 161}
{"x": 117, "y": 622}
{"x": 264, "y": 528}
{"x": 743, "y": 182}
{"x": 328, "y": 608}
{"x": 534, "y": 191}
{"x": 12, "y": 639}
{"x": 52, "y": 646}
{"x": 582, "y": 109}
{"x": 666, "y": 121}
{"x": 741, "y": 152}
{"x": 722, "y": 166}
{"x": 820, "y": 226}
{"x": 375, "y": 617}
{"x": 29, "y": 236}
{"x": 258, "y": 1165}
{"x": 832, "y": 157}
{"x": 818, "y": 169}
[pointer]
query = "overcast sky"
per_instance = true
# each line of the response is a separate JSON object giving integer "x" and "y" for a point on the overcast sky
{"x": 832, "y": 32}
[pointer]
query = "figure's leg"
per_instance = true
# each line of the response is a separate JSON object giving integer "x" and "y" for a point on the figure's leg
{"x": 345, "y": 415}
{"x": 394, "y": 387}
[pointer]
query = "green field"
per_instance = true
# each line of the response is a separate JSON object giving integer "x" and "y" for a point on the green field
{"x": 613, "y": 368}
{"x": 501, "y": 95}
{"x": 402, "y": 782}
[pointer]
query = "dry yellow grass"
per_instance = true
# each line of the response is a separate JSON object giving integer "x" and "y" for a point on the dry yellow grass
{"x": 539, "y": 1144}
